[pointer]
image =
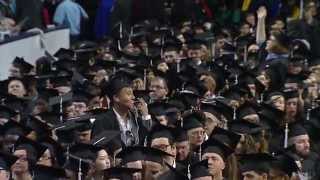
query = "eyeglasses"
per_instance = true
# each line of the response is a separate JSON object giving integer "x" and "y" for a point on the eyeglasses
{"x": 198, "y": 133}
{"x": 162, "y": 147}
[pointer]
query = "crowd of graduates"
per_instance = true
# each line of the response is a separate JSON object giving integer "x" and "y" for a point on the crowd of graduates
{"x": 202, "y": 98}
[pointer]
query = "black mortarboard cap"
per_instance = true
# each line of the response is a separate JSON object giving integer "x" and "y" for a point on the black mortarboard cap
{"x": 270, "y": 114}
{"x": 131, "y": 154}
{"x": 50, "y": 117}
{"x": 218, "y": 107}
{"x": 55, "y": 148}
{"x": 260, "y": 162}
{"x": 14, "y": 128}
{"x": 244, "y": 127}
{"x": 61, "y": 78}
{"x": 45, "y": 172}
{"x": 199, "y": 169}
{"x": 247, "y": 108}
{"x": 66, "y": 131}
{"x": 34, "y": 149}
{"x": 120, "y": 173}
{"x": 180, "y": 135}
{"x": 65, "y": 64}
{"x": 285, "y": 163}
{"x": 228, "y": 138}
{"x": 290, "y": 93}
{"x": 173, "y": 174}
{"x": 6, "y": 161}
{"x": 63, "y": 53}
{"x": 116, "y": 84}
{"x": 215, "y": 146}
{"x": 81, "y": 96}
{"x": 85, "y": 151}
{"x": 154, "y": 155}
{"x": 194, "y": 120}
{"x": 24, "y": 66}
{"x": 296, "y": 129}
{"x": 110, "y": 140}
{"x": 228, "y": 48}
{"x": 159, "y": 108}
{"x": 195, "y": 44}
{"x": 160, "y": 131}
{"x": 40, "y": 127}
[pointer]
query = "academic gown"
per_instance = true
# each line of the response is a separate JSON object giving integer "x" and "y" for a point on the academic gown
{"x": 191, "y": 159}
{"x": 310, "y": 166}
{"x": 108, "y": 121}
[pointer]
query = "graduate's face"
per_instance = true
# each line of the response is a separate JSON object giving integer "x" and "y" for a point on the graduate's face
{"x": 4, "y": 175}
{"x": 158, "y": 89}
{"x": 294, "y": 68}
{"x": 46, "y": 159}
{"x": 153, "y": 168}
{"x": 278, "y": 102}
{"x": 16, "y": 87}
{"x": 245, "y": 29}
{"x": 196, "y": 136}
{"x": 210, "y": 123}
{"x": 136, "y": 165}
{"x": 183, "y": 150}
{"x": 292, "y": 107}
{"x": 215, "y": 163}
{"x": 80, "y": 108}
{"x": 21, "y": 165}
{"x": 195, "y": 54}
{"x": 125, "y": 98}
{"x": 102, "y": 161}
{"x": 162, "y": 144}
{"x": 252, "y": 175}
{"x": 272, "y": 44}
{"x": 99, "y": 76}
{"x": 170, "y": 56}
{"x": 302, "y": 145}
{"x": 84, "y": 136}
{"x": 251, "y": 19}
{"x": 14, "y": 72}
{"x": 263, "y": 78}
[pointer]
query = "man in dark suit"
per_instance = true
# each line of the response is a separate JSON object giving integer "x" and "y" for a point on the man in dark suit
{"x": 126, "y": 115}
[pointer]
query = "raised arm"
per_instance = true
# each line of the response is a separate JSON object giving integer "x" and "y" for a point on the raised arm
{"x": 261, "y": 25}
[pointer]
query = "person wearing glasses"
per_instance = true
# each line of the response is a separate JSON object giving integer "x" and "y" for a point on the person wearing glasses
{"x": 195, "y": 130}
{"x": 28, "y": 152}
{"x": 159, "y": 89}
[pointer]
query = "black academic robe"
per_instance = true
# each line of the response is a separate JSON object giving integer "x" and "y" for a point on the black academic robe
{"x": 191, "y": 159}
{"x": 300, "y": 29}
{"x": 108, "y": 121}
{"x": 310, "y": 166}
